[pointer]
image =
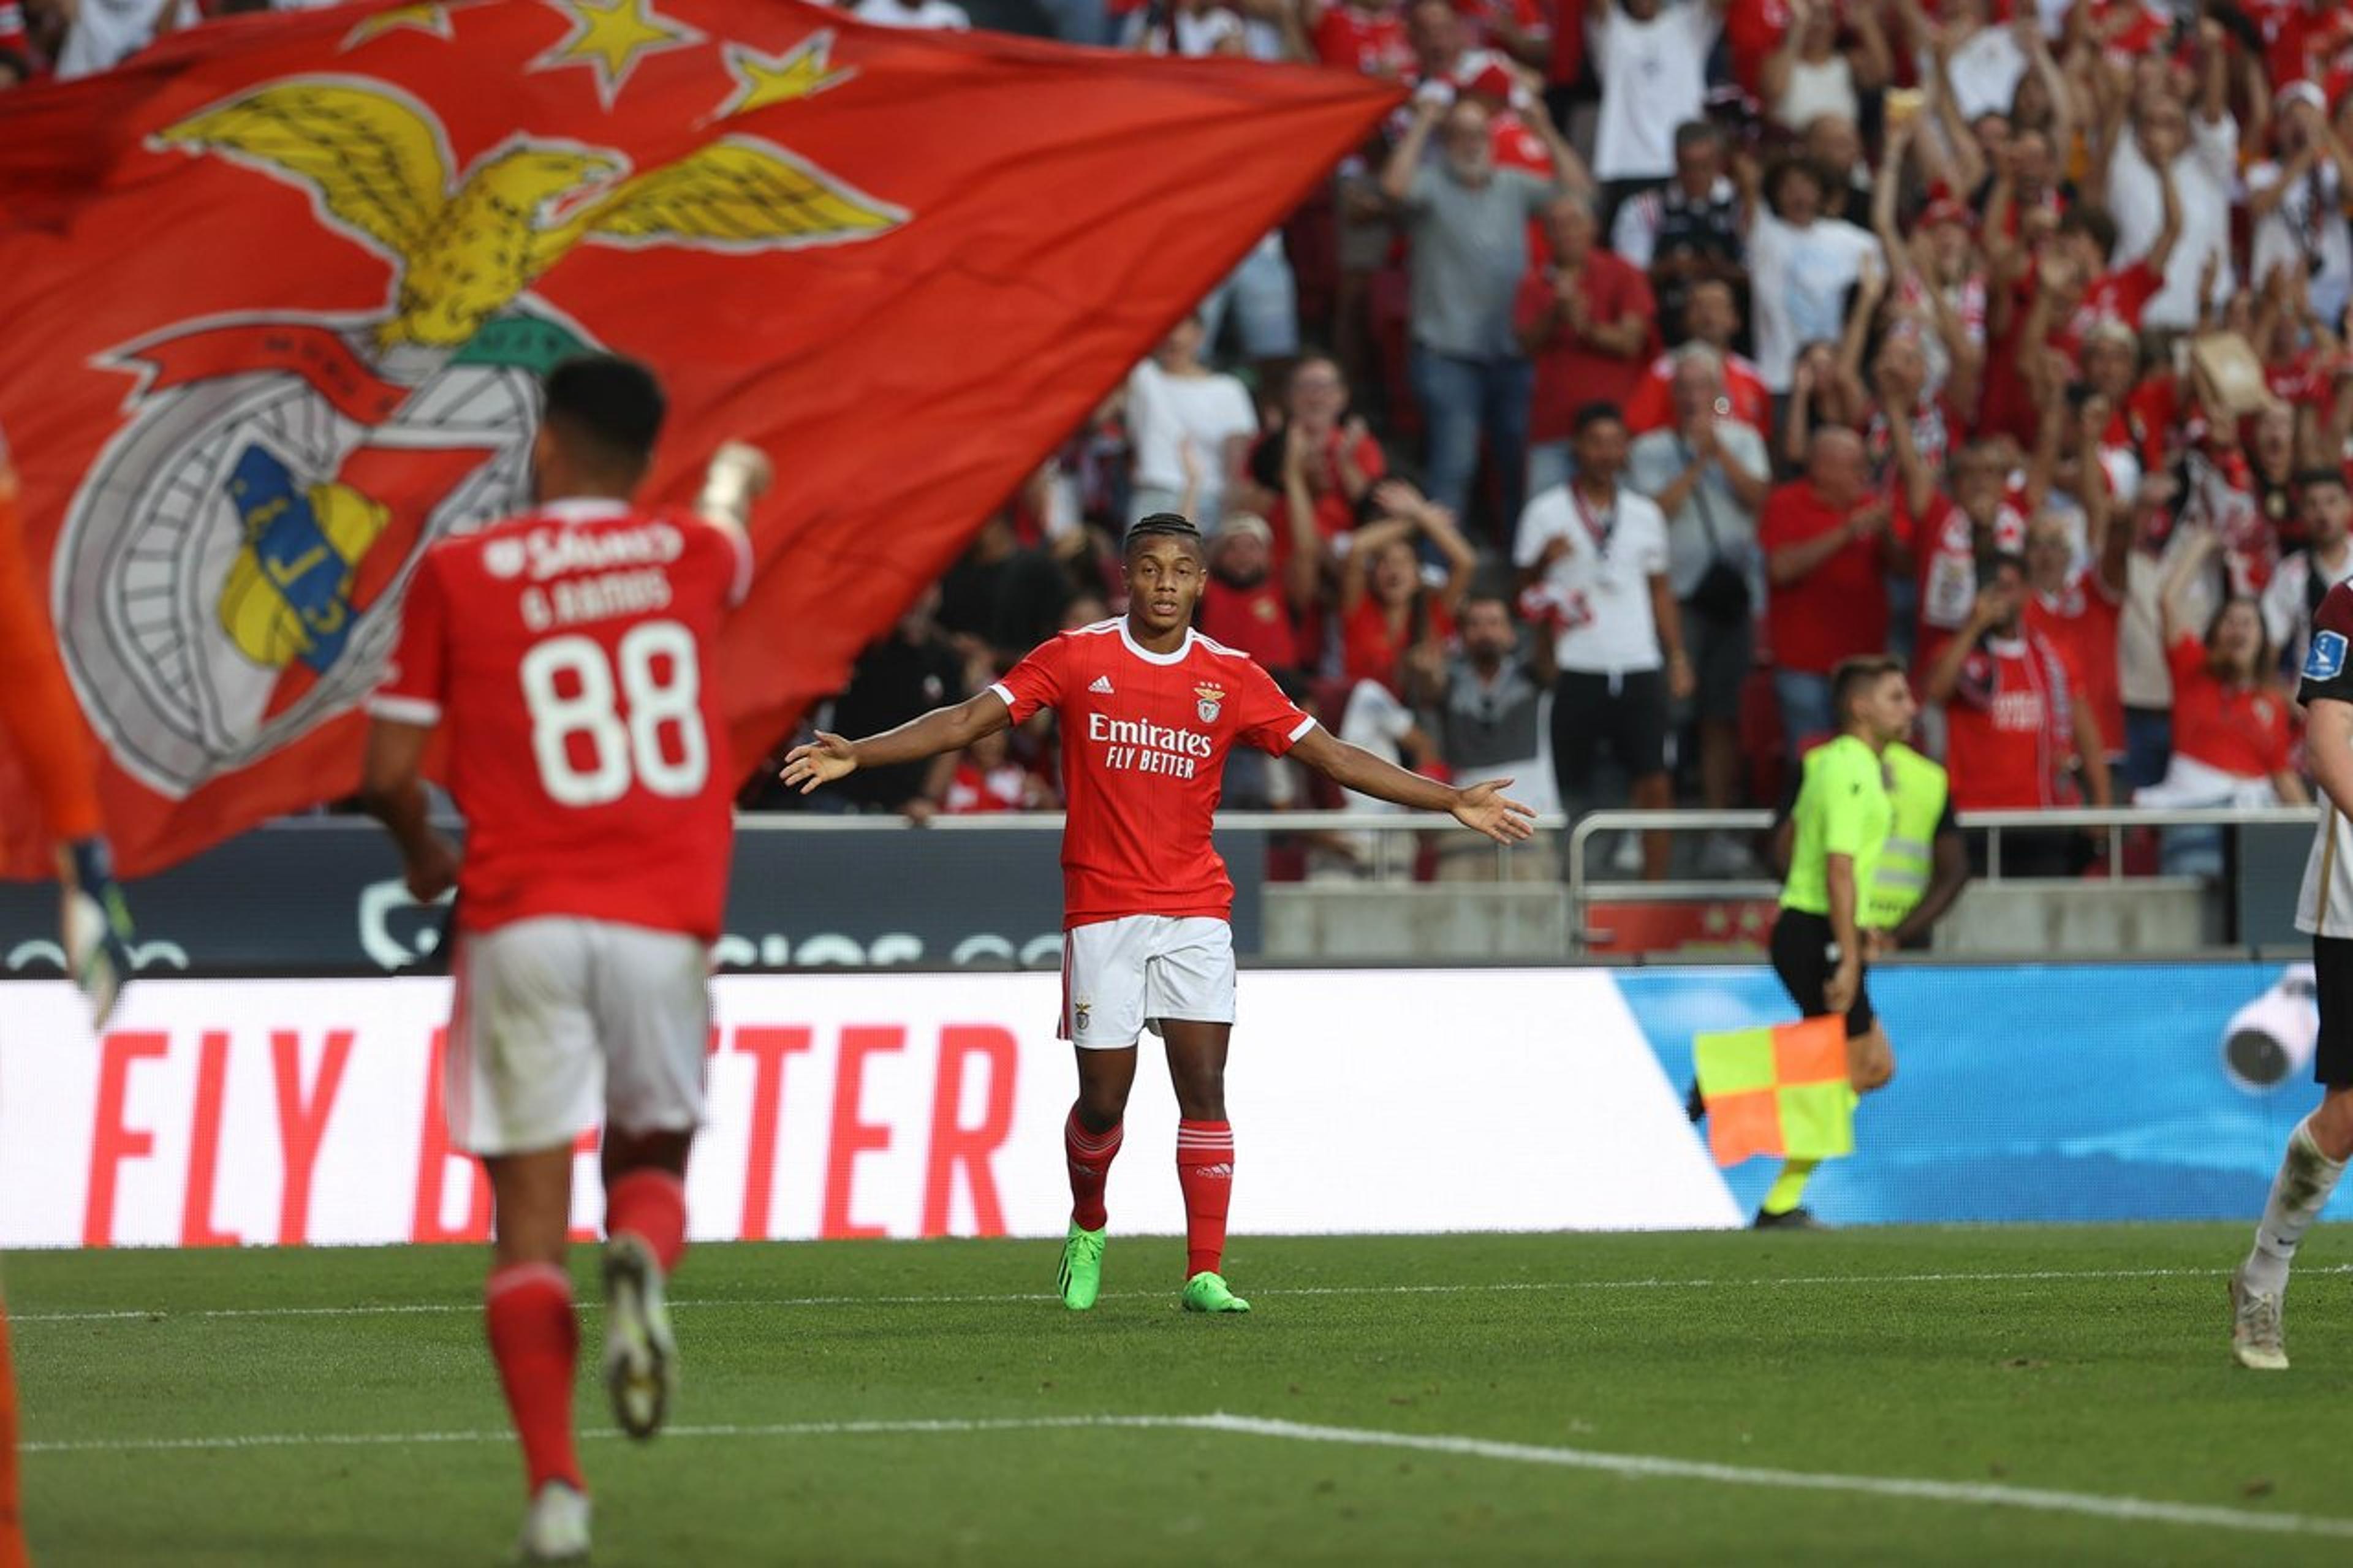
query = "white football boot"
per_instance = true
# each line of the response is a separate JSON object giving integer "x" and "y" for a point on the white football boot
{"x": 556, "y": 1528}
{"x": 640, "y": 1355}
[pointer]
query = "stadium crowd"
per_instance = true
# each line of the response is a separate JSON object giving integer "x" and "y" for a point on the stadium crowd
{"x": 1656, "y": 355}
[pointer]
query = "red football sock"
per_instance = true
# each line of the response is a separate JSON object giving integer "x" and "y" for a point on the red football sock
{"x": 13, "y": 1553}
{"x": 1205, "y": 1170}
{"x": 535, "y": 1338}
{"x": 650, "y": 1205}
{"x": 1090, "y": 1155}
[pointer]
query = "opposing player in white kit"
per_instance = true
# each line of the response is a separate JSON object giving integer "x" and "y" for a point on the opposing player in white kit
{"x": 562, "y": 655}
{"x": 2323, "y": 1141}
{"x": 1148, "y": 710}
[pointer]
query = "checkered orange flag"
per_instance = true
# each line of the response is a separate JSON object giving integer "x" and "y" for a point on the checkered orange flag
{"x": 1781, "y": 1091}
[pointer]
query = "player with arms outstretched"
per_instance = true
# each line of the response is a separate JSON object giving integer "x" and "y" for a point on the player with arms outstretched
{"x": 1149, "y": 709}
{"x": 565, "y": 656}
{"x": 2322, "y": 1143}
{"x": 44, "y": 731}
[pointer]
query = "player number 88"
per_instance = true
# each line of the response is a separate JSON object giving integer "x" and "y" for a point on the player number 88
{"x": 620, "y": 748}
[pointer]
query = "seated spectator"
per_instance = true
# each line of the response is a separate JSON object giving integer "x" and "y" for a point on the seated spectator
{"x": 2297, "y": 202}
{"x": 1711, "y": 319}
{"x": 1191, "y": 426}
{"x": 987, "y": 779}
{"x": 1387, "y": 610}
{"x": 1587, "y": 324}
{"x": 1593, "y": 556}
{"x": 1826, "y": 547}
{"x": 1709, "y": 475}
{"x": 1688, "y": 231}
{"x": 1801, "y": 264}
{"x": 1467, "y": 222}
{"x": 1490, "y": 717}
{"x": 1378, "y": 718}
{"x": 1651, "y": 57}
{"x": 2304, "y": 577}
{"x": 2017, "y": 735}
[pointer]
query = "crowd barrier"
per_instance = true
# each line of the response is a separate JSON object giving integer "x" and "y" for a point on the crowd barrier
{"x": 221, "y": 1112}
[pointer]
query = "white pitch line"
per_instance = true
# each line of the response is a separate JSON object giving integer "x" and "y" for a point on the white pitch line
{"x": 722, "y": 1303}
{"x": 1633, "y": 1467}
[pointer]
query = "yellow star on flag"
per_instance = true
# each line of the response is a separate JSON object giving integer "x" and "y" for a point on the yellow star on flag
{"x": 612, "y": 38}
{"x": 764, "y": 79}
{"x": 432, "y": 19}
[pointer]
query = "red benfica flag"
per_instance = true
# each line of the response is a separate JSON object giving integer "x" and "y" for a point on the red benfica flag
{"x": 274, "y": 298}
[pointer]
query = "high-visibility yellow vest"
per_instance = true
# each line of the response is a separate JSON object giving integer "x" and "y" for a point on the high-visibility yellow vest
{"x": 1916, "y": 788}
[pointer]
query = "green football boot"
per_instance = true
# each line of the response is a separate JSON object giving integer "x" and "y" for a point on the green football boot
{"x": 1206, "y": 1292}
{"x": 1081, "y": 1277}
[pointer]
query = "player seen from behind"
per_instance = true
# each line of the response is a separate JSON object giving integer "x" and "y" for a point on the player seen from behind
{"x": 564, "y": 657}
{"x": 1148, "y": 711}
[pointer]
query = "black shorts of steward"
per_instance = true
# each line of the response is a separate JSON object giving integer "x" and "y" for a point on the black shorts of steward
{"x": 2332, "y": 973}
{"x": 1803, "y": 957}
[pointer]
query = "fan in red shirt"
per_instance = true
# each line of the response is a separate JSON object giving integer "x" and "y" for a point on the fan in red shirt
{"x": 2015, "y": 730}
{"x": 1386, "y": 609}
{"x": 1243, "y": 604}
{"x": 1946, "y": 542}
{"x": 2081, "y": 611}
{"x": 1149, "y": 709}
{"x": 2232, "y": 736}
{"x": 1590, "y": 322}
{"x": 1711, "y": 316}
{"x": 1826, "y": 556}
{"x": 565, "y": 656}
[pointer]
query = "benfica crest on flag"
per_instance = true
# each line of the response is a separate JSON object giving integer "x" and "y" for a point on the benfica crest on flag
{"x": 275, "y": 299}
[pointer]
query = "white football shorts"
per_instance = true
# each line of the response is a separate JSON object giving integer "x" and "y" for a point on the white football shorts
{"x": 1120, "y": 976}
{"x": 562, "y": 1025}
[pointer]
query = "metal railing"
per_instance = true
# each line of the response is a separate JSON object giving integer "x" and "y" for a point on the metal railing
{"x": 2111, "y": 822}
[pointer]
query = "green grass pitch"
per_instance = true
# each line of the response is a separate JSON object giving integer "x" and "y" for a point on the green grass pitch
{"x": 1461, "y": 1399}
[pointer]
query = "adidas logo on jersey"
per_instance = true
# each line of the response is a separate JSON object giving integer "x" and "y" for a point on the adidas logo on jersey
{"x": 1102, "y": 685}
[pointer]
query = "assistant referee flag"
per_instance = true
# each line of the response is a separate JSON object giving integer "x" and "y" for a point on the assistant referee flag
{"x": 1781, "y": 1091}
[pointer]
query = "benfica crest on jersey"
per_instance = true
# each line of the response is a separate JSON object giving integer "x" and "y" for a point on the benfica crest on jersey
{"x": 1212, "y": 699}
{"x": 279, "y": 475}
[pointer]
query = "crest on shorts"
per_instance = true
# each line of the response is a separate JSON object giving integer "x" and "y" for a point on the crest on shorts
{"x": 1212, "y": 699}
{"x": 227, "y": 570}
{"x": 1079, "y": 1010}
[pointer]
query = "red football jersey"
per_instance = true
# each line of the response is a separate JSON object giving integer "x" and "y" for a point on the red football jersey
{"x": 566, "y": 654}
{"x": 1144, "y": 737}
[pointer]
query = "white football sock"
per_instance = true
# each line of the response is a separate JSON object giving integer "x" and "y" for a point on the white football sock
{"x": 2299, "y": 1192}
